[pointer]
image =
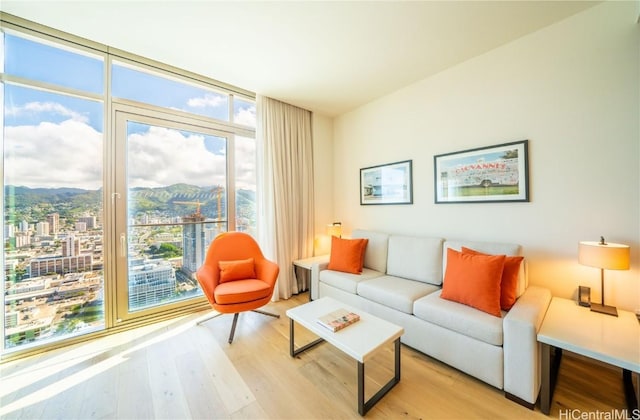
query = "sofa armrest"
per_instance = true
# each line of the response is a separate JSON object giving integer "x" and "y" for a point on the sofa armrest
{"x": 521, "y": 348}
{"x": 316, "y": 268}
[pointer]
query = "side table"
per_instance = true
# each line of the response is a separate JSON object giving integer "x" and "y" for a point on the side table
{"x": 307, "y": 264}
{"x": 609, "y": 339}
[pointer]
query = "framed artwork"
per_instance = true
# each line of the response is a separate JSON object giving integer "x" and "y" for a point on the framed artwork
{"x": 387, "y": 184}
{"x": 491, "y": 174}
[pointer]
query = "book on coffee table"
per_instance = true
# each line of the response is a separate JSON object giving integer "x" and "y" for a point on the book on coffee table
{"x": 338, "y": 319}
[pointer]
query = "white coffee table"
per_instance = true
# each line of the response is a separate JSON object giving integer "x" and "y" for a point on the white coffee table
{"x": 609, "y": 339}
{"x": 360, "y": 340}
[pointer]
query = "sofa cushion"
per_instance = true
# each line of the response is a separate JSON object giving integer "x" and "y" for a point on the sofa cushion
{"x": 459, "y": 318}
{"x": 347, "y": 254}
{"x": 375, "y": 256}
{"x": 415, "y": 258}
{"x": 509, "y": 282}
{"x": 394, "y": 292}
{"x": 346, "y": 281}
{"x": 494, "y": 248}
{"x": 474, "y": 280}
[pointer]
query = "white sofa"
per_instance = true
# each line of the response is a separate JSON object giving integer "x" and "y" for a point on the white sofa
{"x": 401, "y": 282}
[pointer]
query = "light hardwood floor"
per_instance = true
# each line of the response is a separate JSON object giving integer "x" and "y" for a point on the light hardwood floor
{"x": 178, "y": 370}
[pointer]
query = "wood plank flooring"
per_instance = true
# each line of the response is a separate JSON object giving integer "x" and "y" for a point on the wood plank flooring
{"x": 179, "y": 370}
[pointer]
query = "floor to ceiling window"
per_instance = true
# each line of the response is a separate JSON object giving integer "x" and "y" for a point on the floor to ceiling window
{"x": 116, "y": 177}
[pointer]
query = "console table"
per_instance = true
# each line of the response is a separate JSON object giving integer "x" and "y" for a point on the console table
{"x": 609, "y": 339}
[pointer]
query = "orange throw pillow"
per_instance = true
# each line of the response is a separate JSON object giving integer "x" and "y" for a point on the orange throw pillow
{"x": 347, "y": 255}
{"x": 509, "y": 283}
{"x": 236, "y": 270}
{"x": 474, "y": 280}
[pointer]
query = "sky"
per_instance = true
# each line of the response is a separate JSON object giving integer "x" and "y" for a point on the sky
{"x": 55, "y": 140}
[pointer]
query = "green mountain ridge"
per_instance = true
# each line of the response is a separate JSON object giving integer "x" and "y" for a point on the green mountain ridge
{"x": 32, "y": 204}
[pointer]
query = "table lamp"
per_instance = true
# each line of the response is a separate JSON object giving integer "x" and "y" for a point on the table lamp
{"x": 335, "y": 229}
{"x": 607, "y": 256}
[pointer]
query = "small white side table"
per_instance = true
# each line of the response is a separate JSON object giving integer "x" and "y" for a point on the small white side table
{"x": 609, "y": 339}
{"x": 306, "y": 264}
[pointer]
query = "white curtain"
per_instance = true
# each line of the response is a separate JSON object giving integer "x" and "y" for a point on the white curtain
{"x": 285, "y": 162}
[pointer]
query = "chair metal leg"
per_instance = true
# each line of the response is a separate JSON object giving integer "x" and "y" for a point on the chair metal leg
{"x": 213, "y": 315}
{"x": 266, "y": 313}
{"x": 235, "y": 320}
{"x": 233, "y": 327}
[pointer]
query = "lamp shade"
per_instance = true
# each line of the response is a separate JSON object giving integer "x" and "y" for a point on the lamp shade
{"x": 335, "y": 229}
{"x": 608, "y": 256}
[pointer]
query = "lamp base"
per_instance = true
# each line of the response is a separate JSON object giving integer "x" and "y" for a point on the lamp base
{"x": 604, "y": 309}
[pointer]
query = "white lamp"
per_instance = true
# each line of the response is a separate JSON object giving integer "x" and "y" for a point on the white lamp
{"x": 607, "y": 256}
{"x": 335, "y": 229}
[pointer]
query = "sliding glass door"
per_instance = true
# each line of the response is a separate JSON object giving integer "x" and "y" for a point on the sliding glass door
{"x": 171, "y": 201}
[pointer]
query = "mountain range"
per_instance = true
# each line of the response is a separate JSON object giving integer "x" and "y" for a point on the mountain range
{"x": 22, "y": 202}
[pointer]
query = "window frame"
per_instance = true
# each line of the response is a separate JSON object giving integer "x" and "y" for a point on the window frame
{"x": 40, "y": 33}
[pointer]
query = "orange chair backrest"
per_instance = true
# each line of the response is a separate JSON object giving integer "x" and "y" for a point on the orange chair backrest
{"x": 231, "y": 246}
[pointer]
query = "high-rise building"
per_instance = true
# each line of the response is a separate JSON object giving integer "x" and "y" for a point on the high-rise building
{"x": 54, "y": 223}
{"x": 89, "y": 220}
{"x": 193, "y": 243}
{"x": 44, "y": 265}
{"x": 42, "y": 229}
{"x": 23, "y": 239}
{"x": 9, "y": 231}
{"x": 70, "y": 246}
{"x": 150, "y": 282}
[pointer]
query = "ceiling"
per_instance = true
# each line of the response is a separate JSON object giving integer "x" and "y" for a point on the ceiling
{"x": 329, "y": 57}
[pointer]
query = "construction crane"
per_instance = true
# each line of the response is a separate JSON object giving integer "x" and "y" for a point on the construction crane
{"x": 219, "y": 199}
{"x": 218, "y": 190}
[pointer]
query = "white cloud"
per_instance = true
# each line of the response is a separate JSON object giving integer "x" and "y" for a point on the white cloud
{"x": 246, "y": 116}
{"x": 208, "y": 100}
{"x": 68, "y": 154}
{"x": 163, "y": 157}
{"x": 46, "y": 107}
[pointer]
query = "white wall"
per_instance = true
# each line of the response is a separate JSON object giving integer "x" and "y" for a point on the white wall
{"x": 573, "y": 90}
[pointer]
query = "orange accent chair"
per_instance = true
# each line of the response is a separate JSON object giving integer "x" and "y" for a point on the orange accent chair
{"x": 236, "y": 277}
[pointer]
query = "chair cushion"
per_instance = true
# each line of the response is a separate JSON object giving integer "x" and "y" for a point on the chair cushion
{"x": 236, "y": 270}
{"x": 346, "y": 281}
{"x": 509, "y": 282}
{"x": 347, "y": 255}
{"x": 474, "y": 280}
{"x": 241, "y": 291}
{"x": 395, "y": 292}
{"x": 460, "y": 318}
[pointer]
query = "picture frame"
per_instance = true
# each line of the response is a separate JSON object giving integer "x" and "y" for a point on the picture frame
{"x": 492, "y": 174}
{"x": 391, "y": 183}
